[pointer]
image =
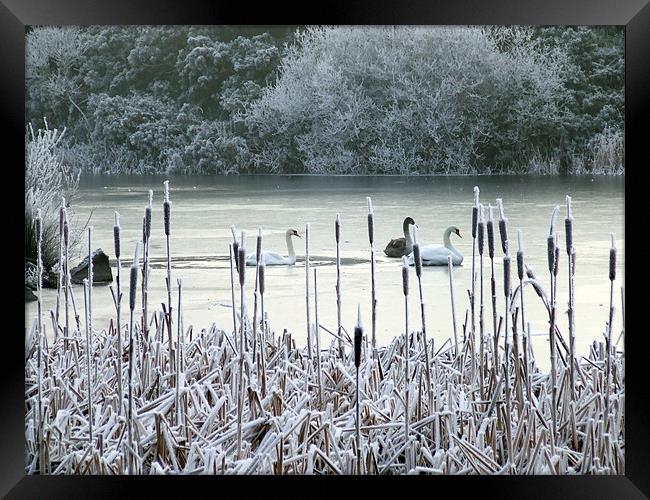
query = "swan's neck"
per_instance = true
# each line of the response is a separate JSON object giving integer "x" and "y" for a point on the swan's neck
{"x": 292, "y": 253}
{"x": 407, "y": 234}
{"x": 447, "y": 242}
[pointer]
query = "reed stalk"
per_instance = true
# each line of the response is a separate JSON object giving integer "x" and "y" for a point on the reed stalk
{"x": 232, "y": 290}
{"x": 475, "y": 212}
{"x": 179, "y": 350}
{"x": 145, "y": 271}
{"x": 133, "y": 284}
{"x": 258, "y": 256}
{"x": 337, "y": 235}
{"x": 118, "y": 307}
{"x": 481, "y": 244}
{"x": 241, "y": 264}
{"x": 358, "y": 334}
{"x": 307, "y": 291}
{"x": 568, "y": 230}
{"x": 417, "y": 258}
{"x": 262, "y": 274}
{"x": 490, "y": 234}
{"x": 371, "y": 239}
{"x": 167, "y": 208}
{"x": 38, "y": 424}
{"x": 453, "y": 303}
{"x": 552, "y": 258}
{"x": 88, "y": 356}
{"x": 405, "y": 289}
{"x": 66, "y": 246}
{"x": 241, "y": 257}
{"x": 317, "y": 337}
{"x": 612, "y": 278}
{"x": 525, "y": 334}
{"x": 60, "y": 270}
{"x": 506, "y": 355}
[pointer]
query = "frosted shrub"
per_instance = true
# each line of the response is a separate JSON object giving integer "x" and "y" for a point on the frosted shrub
{"x": 405, "y": 100}
{"x": 608, "y": 152}
{"x": 47, "y": 178}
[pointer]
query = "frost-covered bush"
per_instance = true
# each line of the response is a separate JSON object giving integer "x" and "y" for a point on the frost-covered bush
{"x": 148, "y": 127}
{"x": 213, "y": 148}
{"x": 397, "y": 100}
{"x": 608, "y": 152}
{"x": 47, "y": 179}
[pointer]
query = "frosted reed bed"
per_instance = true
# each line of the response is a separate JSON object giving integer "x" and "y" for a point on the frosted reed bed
{"x": 247, "y": 399}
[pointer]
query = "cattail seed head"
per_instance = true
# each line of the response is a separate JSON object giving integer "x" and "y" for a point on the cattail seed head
{"x": 490, "y": 232}
{"x": 262, "y": 273}
{"x": 144, "y": 230}
{"x": 371, "y": 228}
{"x": 241, "y": 257}
{"x": 556, "y": 260}
{"x": 337, "y": 228}
{"x": 133, "y": 282}
{"x": 417, "y": 259}
{"x": 475, "y": 211}
{"x": 520, "y": 255}
{"x": 612, "y": 259}
{"x": 405, "y": 276}
{"x": 568, "y": 232}
{"x": 147, "y": 222}
{"x": 481, "y": 230}
{"x": 554, "y": 219}
{"x": 503, "y": 226}
{"x": 116, "y": 235}
{"x": 358, "y": 334}
{"x": 506, "y": 275}
{"x": 61, "y": 216}
{"x": 38, "y": 222}
{"x": 258, "y": 249}
{"x": 550, "y": 252}
{"x": 66, "y": 229}
{"x": 167, "y": 208}
{"x": 474, "y": 220}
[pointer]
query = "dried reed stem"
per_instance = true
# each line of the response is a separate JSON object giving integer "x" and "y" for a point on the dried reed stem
{"x": 371, "y": 238}
{"x": 307, "y": 290}
{"x": 337, "y": 235}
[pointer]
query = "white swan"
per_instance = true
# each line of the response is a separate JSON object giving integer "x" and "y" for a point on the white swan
{"x": 274, "y": 258}
{"x": 436, "y": 255}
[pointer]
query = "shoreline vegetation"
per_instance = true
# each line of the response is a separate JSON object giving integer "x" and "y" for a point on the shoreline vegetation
{"x": 330, "y": 100}
{"x": 148, "y": 395}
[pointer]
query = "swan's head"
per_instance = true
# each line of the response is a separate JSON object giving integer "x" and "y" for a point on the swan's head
{"x": 456, "y": 231}
{"x": 293, "y": 232}
{"x": 409, "y": 221}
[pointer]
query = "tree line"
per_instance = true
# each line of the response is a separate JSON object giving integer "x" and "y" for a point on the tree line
{"x": 330, "y": 100}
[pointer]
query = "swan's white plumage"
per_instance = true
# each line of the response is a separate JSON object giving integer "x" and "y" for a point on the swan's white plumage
{"x": 436, "y": 255}
{"x": 269, "y": 258}
{"x": 274, "y": 258}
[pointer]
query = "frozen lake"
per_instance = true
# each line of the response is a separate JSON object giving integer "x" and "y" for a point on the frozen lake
{"x": 203, "y": 208}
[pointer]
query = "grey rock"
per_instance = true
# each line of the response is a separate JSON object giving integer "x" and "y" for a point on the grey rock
{"x": 102, "y": 272}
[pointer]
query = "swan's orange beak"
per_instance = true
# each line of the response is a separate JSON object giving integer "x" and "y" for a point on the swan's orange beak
{"x": 458, "y": 233}
{"x": 296, "y": 233}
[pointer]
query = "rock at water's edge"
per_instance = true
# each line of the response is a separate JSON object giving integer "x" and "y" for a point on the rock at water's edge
{"x": 102, "y": 272}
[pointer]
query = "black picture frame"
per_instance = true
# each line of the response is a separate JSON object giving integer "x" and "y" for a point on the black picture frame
{"x": 15, "y": 15}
